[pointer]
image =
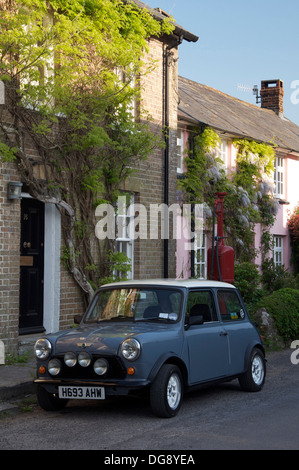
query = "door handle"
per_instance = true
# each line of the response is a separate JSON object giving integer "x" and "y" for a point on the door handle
{"x": 27, "y": 245}
{"x": 223, "y": 333}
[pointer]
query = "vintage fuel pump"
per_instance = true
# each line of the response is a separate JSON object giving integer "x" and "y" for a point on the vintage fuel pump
{"x": 220, "y": 257}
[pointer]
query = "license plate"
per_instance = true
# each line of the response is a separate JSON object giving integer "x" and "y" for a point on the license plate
{"x": 83, "y": 393}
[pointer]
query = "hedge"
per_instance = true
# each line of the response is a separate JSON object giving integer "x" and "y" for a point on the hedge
{"x": 283, "y": 306}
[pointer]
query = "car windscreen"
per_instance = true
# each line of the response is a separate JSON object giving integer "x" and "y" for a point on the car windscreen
{"x": 135, "y": 304}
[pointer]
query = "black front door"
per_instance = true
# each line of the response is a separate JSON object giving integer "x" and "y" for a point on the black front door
{"x": 32, "y": 266}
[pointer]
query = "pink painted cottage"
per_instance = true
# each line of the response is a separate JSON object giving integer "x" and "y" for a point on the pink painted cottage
{"x": 201, "y": 106}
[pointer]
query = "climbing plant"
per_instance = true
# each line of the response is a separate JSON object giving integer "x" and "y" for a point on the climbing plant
{"x": 204, "y": 174}
{"x": 70, "y": 71}
{"x": 254, "y": 174}
{"x": 249, "y": 187}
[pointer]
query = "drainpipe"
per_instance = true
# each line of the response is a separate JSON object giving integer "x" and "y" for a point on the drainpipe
{"x": 167, "y": 144}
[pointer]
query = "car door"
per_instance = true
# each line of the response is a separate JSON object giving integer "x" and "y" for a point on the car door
{"x": 237, "y": 325}
{"x": 207, "y": 343}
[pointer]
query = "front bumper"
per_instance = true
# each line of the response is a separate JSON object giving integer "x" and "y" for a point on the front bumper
{"x": 112, "y": 388}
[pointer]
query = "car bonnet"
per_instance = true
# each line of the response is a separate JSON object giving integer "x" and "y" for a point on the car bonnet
{"x": 104, "y": 339}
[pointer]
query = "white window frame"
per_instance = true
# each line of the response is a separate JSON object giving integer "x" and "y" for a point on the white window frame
{"x": 221, "y": 151}
{"x": 125, "y": 239}
{"x": 200, "y": 256}
{"x": 279, "y": 177}
{"x": 278, "y": 250}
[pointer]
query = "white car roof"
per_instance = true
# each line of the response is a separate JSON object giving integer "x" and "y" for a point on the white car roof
{"x": 173, "y": 283}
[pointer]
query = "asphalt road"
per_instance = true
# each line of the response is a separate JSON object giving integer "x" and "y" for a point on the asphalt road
{"x": 222, "y": 417}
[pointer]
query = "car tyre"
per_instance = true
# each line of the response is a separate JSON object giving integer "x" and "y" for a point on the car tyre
{"x": 254, "y": 378}
{"x": 166, "y": 393}
{"x": 49, "y": 401}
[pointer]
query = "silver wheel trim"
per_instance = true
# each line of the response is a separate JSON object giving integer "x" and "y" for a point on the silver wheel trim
{"x": 173, "y": 391}
{"x": 257, "y": 370}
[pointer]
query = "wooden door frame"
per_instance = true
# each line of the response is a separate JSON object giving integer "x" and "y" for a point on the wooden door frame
{"x": 32, "y": 265}
{"x": 52, "y": 245}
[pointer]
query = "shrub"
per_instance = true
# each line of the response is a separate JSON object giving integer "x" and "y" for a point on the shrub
{"x": 276, "y": 277}
{"x": 283, "y": 306}
{"x": 247, "y": 280}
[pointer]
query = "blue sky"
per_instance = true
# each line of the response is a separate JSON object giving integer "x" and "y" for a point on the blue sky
{"x": 240, "y": 43}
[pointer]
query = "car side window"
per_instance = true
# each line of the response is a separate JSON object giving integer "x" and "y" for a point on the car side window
{"x": 230, "y": 306}
{"x": 201, "y": 303}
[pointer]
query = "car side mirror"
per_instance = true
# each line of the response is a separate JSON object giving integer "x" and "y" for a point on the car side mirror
{"x": 194, "y": 320}
{"x": 78, "y": 319}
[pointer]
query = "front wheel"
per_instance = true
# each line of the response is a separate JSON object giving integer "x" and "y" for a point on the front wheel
{"x": 166, "y": 393}
{"x": 254, "y": 378}
{"x": 49, "y": 401}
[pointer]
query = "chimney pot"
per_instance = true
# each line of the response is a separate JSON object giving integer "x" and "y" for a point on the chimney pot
{"x": 272, "y": 94}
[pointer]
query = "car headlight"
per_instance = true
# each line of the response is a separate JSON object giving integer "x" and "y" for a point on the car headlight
{"x": 130, "y": 349}
{"x": 70, "y": 359}
{"x": 42, "y": 348}
{"x": 84, "y": 359}
{"x": 100, "y": 366}
{"x": 54, "y": 367}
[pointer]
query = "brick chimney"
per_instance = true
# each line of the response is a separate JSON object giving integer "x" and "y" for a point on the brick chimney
{"x": 272, "y": 94}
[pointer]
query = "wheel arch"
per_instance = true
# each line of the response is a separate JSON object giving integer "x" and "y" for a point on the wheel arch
{"x": 169, "y": 359}
{"x": 250, "y": 348}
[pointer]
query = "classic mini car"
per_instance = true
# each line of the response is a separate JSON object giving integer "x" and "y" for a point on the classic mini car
{"x": 161, "y": 336}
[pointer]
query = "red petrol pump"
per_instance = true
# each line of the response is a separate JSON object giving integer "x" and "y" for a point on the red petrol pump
{"x": 221, "y": 259}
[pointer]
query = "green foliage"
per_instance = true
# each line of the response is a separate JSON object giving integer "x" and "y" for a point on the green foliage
{"x": 254, "y": 177}
{"x": 293, "y": 224}
{"x": 249, "y": 197}
{"x": 118, "y": 267}
{"x": 247, "y": 280}
{"x": 110, "y": 31}
{"x": 71, "y": 71}
{"x": 254, "y": 160}
{"x": 283, "y": 306}
{"x": 204, "y": 174}
{"x": 11, "y": 359}
{"x": 7, "y": 153}
{"x": 276, "y": 277}
{"x": 255, "y": 287}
